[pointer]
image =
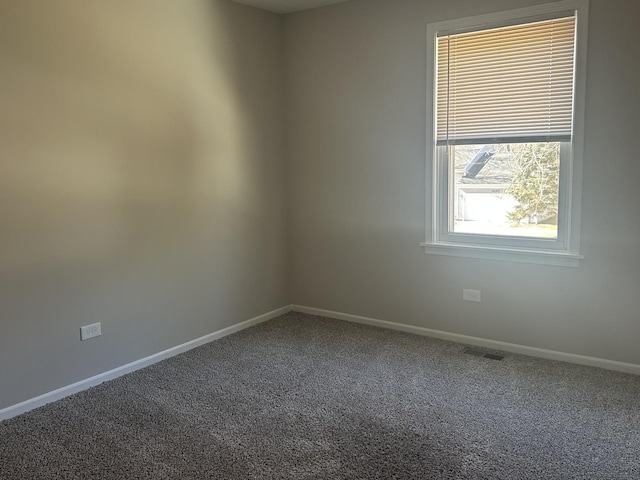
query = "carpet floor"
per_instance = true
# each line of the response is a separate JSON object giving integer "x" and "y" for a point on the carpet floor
{"x": 304, "y": 397}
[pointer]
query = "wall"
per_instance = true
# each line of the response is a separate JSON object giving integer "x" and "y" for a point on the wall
{"x": 356, "y": 80}
{"x": 141, "y": 151}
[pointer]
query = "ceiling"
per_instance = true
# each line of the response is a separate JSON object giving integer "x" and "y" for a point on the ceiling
{"x": 288, "y": 6}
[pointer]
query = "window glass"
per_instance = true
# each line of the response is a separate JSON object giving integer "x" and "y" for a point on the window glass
{"x": 505, "y": 189}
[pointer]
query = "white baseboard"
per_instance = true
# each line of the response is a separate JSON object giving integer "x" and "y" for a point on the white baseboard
{"x": 60, "y": 393}
{"x": 480, "y": 342}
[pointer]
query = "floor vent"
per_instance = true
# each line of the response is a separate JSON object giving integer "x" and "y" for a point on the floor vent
{"x": 479, "y": 353}
{"x": 493, "y": 356}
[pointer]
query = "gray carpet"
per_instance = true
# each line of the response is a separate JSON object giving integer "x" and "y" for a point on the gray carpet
{"x": 303, "y": 397}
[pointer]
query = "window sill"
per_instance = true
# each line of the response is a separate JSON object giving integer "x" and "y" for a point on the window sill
{"x": 562, "y": 259}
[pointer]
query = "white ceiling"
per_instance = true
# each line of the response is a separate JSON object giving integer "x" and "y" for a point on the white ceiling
{"x": 288, "y": 6}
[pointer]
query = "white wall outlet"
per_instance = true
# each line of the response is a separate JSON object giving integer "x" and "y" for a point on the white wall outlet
{"x": 471, "y": 295}
{"x": 90, "y": 331}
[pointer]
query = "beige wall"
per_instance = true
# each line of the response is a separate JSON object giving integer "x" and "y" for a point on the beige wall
{"x": 141, "y": 184}
{"x": 356, "y": 80}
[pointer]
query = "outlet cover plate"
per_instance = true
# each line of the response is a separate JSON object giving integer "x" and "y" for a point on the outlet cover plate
{"x": 90, "y": 331}
{"x": 471, "y": 295}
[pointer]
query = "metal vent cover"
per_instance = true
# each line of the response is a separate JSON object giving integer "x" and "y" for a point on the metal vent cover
{"x": 479, "y": 353}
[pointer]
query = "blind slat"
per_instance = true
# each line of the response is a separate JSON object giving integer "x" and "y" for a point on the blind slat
{"x": 511, "y": 82}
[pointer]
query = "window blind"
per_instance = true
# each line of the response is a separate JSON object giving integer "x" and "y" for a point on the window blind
{"x": 509, "y": 84}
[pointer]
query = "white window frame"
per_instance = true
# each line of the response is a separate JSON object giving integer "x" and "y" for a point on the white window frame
{"x": 565, "y": 251}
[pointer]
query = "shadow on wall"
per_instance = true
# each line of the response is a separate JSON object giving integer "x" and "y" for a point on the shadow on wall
{"x": 140, "y": 166}
{"x": 120, "y": 131}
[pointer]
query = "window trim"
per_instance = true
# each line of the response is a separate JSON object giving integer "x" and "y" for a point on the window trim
{"x": 565, "y": 250}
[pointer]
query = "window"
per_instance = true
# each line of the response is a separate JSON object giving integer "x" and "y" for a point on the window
{"x": 505, "y": 122}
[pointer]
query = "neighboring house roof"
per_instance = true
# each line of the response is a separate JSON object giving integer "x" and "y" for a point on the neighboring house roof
{"x": 498, "y": 170}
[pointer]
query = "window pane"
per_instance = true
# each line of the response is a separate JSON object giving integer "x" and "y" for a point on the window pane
{"x": 505, "y": 189}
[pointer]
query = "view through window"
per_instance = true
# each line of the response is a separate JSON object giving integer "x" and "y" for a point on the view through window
{"x": 505, "y": 189}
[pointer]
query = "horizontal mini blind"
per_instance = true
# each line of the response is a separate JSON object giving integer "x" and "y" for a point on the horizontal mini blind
{"x": 508, "y": 84}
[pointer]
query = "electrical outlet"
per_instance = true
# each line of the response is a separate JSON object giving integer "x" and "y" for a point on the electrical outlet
{"x": 471, "y": 295}
{"x": 90, "y": 331}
